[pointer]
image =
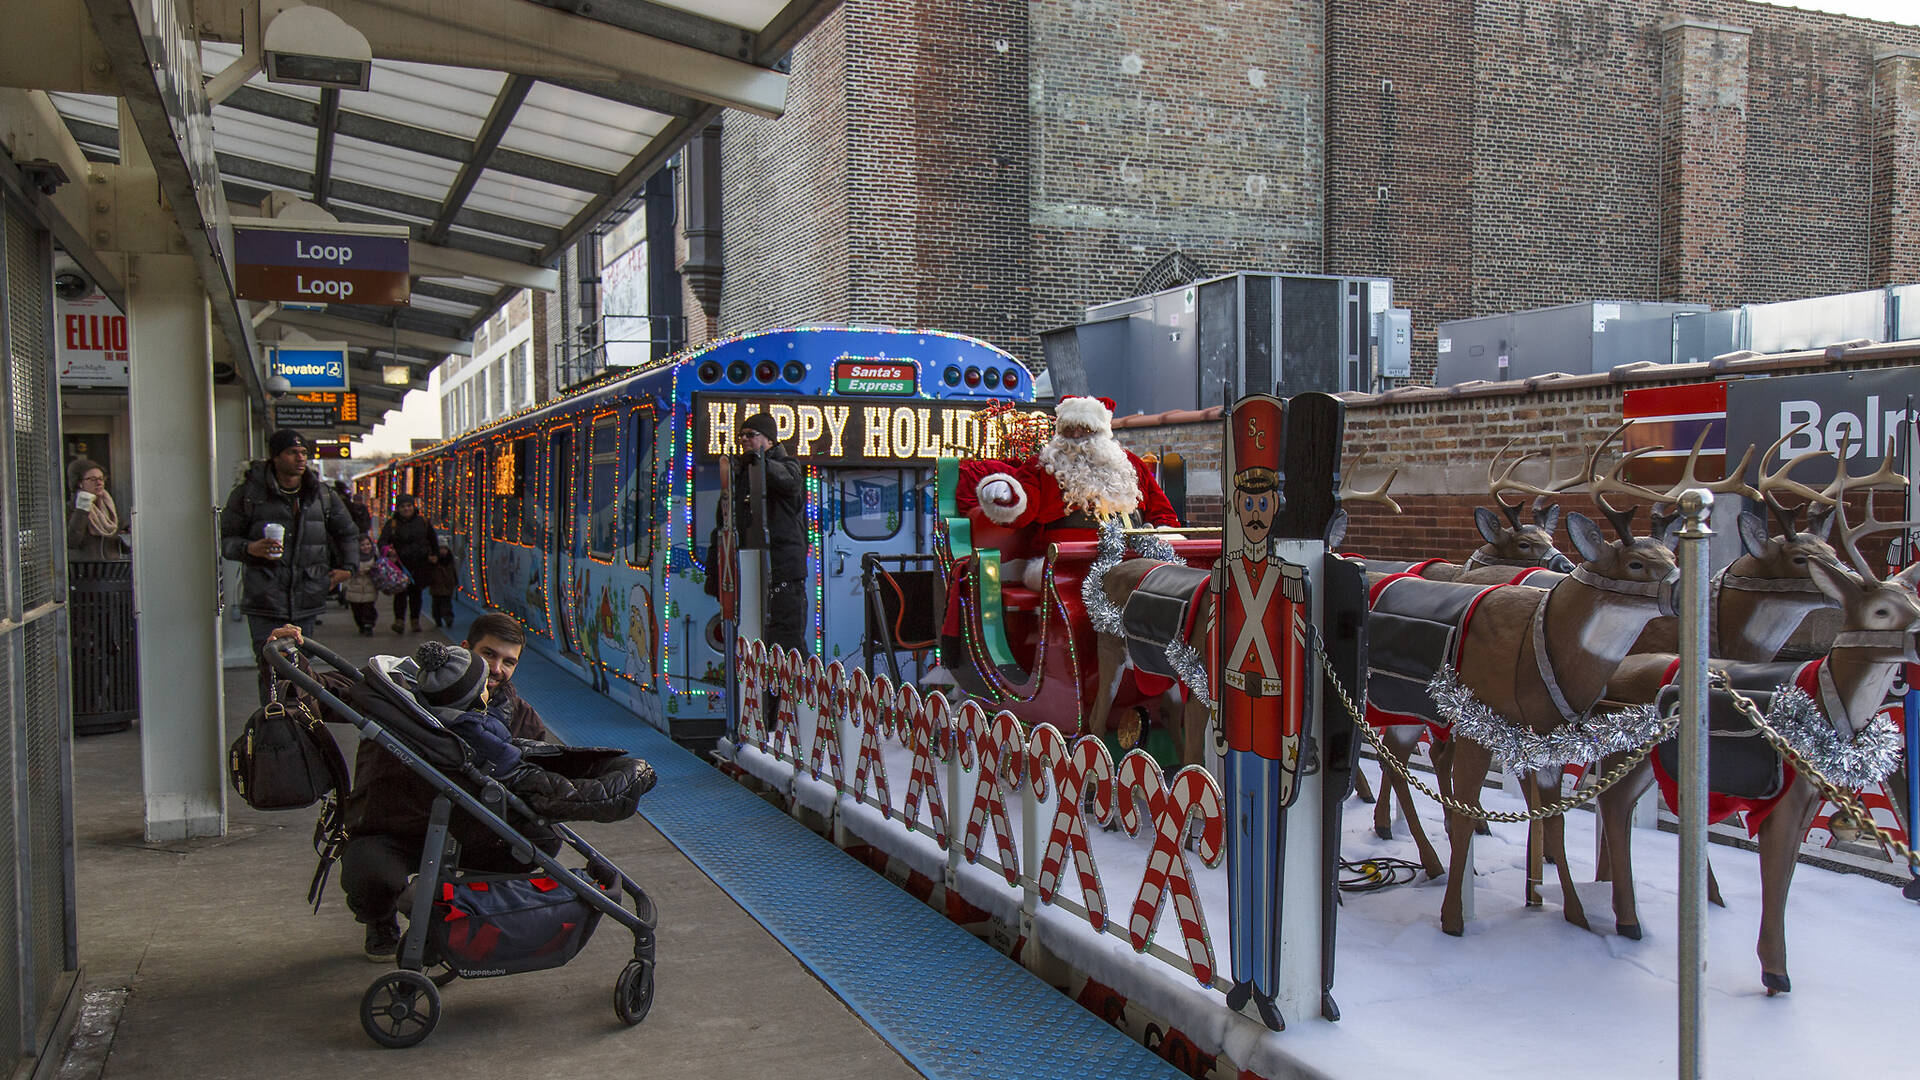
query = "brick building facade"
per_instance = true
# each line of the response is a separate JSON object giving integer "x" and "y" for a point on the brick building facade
{"x": 991, "y": 167}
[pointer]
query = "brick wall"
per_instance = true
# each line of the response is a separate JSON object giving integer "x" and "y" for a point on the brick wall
{"x": 1515, "y": 161}
{"x": 1158, "y": 127}
{"x": 992, "y": 167}
{"x": 1442, "y": 450}
{"x": 786, "y": 223}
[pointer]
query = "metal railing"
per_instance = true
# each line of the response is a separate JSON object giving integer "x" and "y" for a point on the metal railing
{"x": 618, "y": 341}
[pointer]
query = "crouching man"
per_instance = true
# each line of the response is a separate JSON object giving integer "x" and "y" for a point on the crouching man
{"x": 388, "y": 809}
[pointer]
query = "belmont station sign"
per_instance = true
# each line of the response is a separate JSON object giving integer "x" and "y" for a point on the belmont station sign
{"x": 827, "y": 430}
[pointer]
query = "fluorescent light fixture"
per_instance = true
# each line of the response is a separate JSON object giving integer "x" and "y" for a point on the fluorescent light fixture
{"x": 310, "y": 46}
{"x": 396, "y": 375}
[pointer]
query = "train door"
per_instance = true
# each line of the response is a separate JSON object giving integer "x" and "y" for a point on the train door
{"x": 867, "y": 511}
{"x": 561, "y": 569}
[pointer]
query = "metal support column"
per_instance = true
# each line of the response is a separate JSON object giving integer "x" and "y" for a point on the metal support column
{"x": 176, "y": 548}
{"x": 234, "y": 441}
{"x": 1696, "y": 505}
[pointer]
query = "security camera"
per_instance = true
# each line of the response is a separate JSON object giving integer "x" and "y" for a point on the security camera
{"x": 69, "y": 285}
{"x": 278, "y": 386}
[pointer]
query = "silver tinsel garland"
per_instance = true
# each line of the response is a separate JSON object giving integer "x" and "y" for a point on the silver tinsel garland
{"x": 1583, "y": 741}
{"x": 1093, "y": 588}
{"x": 1106, "y": 617}
{"x": 1874, "y": 751}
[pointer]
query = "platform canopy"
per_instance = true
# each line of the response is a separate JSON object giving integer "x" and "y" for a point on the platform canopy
{"x": 498, "y": 132}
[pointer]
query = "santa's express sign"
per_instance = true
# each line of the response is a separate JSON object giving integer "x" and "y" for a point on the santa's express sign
{"x": 90, "y": 342}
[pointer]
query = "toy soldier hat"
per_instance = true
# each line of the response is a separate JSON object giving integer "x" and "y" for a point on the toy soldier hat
{"x": 1256, "y": 446}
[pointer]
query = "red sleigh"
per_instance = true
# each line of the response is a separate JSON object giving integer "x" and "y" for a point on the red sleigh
{"x": 1030, "y": 653}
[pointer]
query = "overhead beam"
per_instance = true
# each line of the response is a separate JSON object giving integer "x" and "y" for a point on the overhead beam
{"x": 450, "y": 293}
{"x": 505, "y": 106}
{"x": 325, "y": 123}
{"x": 658, "y": 151}
{"x": 667, "y": 23}
{"x": 38, "y": 131}
{"x": 787, "y": 27}
{"x": 354, "y": 330}
{"x": 524, "y": 38}
{"x": 453, "y": 262}
{"x": 649, "y": 98}
{"x": 419, "y": 140}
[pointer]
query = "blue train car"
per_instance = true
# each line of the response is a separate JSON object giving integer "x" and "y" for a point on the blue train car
{"x": 587, "y": 517}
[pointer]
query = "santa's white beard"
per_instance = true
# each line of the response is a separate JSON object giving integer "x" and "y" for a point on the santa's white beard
{"x": 1094, "y": 474}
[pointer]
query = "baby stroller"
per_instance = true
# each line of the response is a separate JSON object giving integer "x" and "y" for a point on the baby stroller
{"x": 471, "y": 925}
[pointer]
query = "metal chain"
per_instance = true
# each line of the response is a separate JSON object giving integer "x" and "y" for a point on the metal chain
{"x": 1579, "y": 798}
{"x": 1839, "y": 797}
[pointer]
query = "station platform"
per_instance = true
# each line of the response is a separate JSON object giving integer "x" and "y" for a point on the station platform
{"x": 779, "y": 953}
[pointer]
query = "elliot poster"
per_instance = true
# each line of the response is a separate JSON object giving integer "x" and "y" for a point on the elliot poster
{"x": 90, "y": 342}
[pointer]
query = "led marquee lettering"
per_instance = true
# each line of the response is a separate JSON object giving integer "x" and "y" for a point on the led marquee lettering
{"x": 825, "y": 430}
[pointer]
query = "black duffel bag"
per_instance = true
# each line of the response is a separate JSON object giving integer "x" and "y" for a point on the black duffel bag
{"x": 285, "y": 759}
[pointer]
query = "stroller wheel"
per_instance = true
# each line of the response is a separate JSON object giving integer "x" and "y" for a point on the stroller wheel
{"x": 400, "y": 1009}
{"x": 633, "y": 994}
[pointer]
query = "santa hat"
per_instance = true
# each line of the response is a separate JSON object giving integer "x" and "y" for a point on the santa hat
{"x": 1094, "y": 413}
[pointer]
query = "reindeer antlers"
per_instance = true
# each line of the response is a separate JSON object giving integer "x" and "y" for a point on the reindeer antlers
{"x": 1836, "y": 491}
{"x": 1600, "y": 486}
{"x": 1499, "y": 486}
{"x": 1351, "y": 494}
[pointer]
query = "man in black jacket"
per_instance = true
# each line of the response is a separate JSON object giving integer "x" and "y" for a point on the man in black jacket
{"x": 387, "y": 811}
{"x": 293, "y": 535}
{"x": 785, "y": 513}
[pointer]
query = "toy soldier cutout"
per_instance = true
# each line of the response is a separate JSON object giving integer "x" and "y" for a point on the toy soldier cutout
{"x": 1262, "y": 697}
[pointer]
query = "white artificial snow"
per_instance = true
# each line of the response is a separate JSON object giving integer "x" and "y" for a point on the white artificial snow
{"x": 1523, "y": 986}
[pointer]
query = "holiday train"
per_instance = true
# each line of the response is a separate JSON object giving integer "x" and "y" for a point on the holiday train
{"x": 613, "y": 584}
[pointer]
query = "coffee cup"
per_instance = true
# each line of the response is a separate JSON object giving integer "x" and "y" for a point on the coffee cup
{"x": 275, "y": 532}
{"x": 83, "y": 500}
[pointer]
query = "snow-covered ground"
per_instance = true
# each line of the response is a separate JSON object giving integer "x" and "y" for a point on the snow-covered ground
{"x": 1524, "y": 992}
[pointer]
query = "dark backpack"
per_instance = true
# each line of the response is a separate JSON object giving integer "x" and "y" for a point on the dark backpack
{"x": 285, "y": 759}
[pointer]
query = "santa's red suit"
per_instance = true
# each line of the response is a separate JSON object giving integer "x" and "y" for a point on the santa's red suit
{"x": 1031, "y": 493}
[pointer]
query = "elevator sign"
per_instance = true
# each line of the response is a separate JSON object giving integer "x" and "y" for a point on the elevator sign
{"x": 320, "y": 366}
{"x": 310, "y": 267}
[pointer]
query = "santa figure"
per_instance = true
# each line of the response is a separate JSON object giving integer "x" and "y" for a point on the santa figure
{"x": 1080, "y": 477}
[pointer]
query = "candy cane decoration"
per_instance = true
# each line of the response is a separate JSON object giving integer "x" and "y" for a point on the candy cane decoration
{"x": 750, "y": 656}
{"x": 867, "y": 712}
{"x": 830, "y": 690}
{"x": 996, "y": 744}
{"x": 924, "y": 725}
{"x": 782, "y": 740}
{"x": 1192, "y": 792}
{"x": 1087, "y": 762}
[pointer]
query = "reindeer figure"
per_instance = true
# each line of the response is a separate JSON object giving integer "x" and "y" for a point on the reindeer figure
{"x": 1880, "y": 632}
{"x": 1541, "y": 658}
{"x": 1510, "y": 548}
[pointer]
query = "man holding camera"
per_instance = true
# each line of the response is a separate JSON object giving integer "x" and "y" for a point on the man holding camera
{"x": 783, "y": 509}
{"x": 295, "y": 537}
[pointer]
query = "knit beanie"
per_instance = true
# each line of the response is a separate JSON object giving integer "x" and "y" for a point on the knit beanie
{"x": 450, "y": 676}
{"x": 285, "y": 439}
{"x": 761, "y": 423}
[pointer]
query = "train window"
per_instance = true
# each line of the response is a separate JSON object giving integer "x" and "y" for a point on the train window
{"x": 603, "y": 487}
{"x": 870, "y": 505}
{"x": 525, "y": 504}
{"x": 637, "y": 489}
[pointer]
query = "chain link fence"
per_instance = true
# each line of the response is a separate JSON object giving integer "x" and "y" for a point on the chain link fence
{"x": 38, "y": 958}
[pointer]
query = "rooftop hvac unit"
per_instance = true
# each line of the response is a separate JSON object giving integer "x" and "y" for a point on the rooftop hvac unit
{"x": 1198, "y": 345}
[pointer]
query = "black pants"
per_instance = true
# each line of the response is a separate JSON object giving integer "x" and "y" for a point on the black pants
{"x": 443, "y": 610}
{"x": 786, "y": 622}
{"x": 259, "y": 626}
{"x": 374, "y": 869}
{"x": 365, "y": 614}
{"x": 407, "y": 605}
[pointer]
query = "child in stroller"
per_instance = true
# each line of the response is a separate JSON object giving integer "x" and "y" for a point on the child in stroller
{"x": 470, "y": 925}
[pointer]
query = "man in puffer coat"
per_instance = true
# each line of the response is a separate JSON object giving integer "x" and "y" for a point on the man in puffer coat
{"x": 286, "y": 580}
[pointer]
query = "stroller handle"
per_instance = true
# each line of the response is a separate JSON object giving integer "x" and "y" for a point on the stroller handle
{"x": 307, "y": 645}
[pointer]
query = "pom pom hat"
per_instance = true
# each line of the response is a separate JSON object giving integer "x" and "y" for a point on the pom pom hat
{"x": 1092, "y": 413}
{"x": 450, "y": 676}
